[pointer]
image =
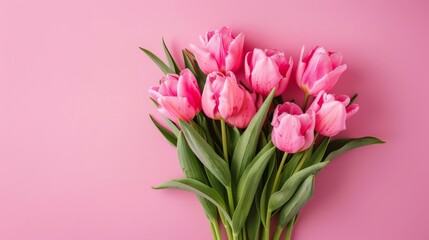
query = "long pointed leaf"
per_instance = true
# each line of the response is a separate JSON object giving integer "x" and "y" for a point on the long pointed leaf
{"x": 253, "y": 223}
{"x": 299, "y": 199}
{"x": 209, "y": 158}
{"x": 247, "y": 186}
{"x": 290, "y": 167}
{"x": 339, "y": 146}
{"x": 171, "y": 138}
{"x": 200, "y": 189}
{"x": 193, "y": 168}
{"x": 318, "y": 154}
{"x": 279, "y": 198}
{"x": 171, "y": 63}
{"x": 164, "y": 68}
{"x": 246, "y": 145}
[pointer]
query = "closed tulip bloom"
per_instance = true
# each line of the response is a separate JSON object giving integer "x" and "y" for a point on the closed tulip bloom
{"x": 319, "y": 70}
{"x": 267, "y": 69}
{"x": 247, "y": 111}
{"x": 222, "y": 96}
{"x": 293, "y": 130}
{"x": 178, "y": 97}
{"x": 221, "y": 51}
{"x": 332, "y": 113}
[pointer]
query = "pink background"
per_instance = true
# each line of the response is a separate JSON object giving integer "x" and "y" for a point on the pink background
{"x": 78, "y": 153}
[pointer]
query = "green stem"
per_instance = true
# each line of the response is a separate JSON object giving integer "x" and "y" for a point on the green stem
{"x": 228, "y": 232}
{"x": 289, "y": 228}
{"x": 230, "y": 200}
{"x": 304, "y": 105}
{"x": 276, "y": 182}
{"x": 244, "y": 233}
{"x": 215, "y": 230}
{"x": 226, "y": 226}
{"x": 302, "y": 161}
{"x": 279, "y": 171}
{"x": 224, "y": 141}
{"x": 278, "y": 233}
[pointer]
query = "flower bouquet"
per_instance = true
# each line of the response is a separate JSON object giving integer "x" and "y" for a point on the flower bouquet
{"x": 247, "y": 154}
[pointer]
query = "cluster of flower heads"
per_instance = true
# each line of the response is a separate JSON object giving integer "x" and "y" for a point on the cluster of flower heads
{"x": 236, "y": 102}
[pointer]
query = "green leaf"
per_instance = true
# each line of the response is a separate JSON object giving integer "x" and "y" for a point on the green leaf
{"x": 279, "y": 198}
{"x": 171, "y": 138}
{"x": 290, "y": 167}
{"x": 164, "y": 68}
{"x": 199, "y": 74}
{"x": 246, "y": 145}
{"x": 171, "y": 62}
{"x": 339, "y": 146}
{"x": 247, "y": 186}
{"x": 266, "y": 191}
{"x": 188, "y": 63}
{"x": 253, "y": 223}
{"x": 200, "y": 189}
{"x": 353, "y": 99}
{"x": 193, "y": 169}
{"x": 299, "y": 199}
{"x": 209, "y": 158}
{"x": 233, "y": 136}
{"x": 319, "y": 153}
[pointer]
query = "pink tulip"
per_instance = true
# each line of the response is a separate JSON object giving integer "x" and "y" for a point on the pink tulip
{"x": 293, "y": 130}
{"x": 243, "y": 117}
{"x": 178, "y": 97}
{"x": 221, "y": 51}
{"x": 319, "y": 71}
{"x": 267, "y": 69}
{"x": 332, "y": 113}
{"x": 222, "y": 96}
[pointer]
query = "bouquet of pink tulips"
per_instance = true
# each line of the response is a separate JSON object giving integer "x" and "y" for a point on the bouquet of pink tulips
{"x": 249, "y": 155}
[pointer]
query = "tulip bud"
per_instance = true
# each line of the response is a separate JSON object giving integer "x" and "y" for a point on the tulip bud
{"x": 319, "y": 71}
{"x": 332, "y": 113}
{"x": 178, "y": 97}
{"x": 267, "y": 69}
{"x": 222, "y": 96}
{"x": 247, "y": 111}
{"x": 293, "y": 130}
{"x": 221, "y": 51}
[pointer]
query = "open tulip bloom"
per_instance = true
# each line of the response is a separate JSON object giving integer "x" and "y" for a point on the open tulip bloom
{"x": 247, "y": 154}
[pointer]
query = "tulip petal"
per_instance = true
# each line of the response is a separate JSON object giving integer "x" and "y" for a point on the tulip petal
{"x": 176, "y": 108}
{"x": 231, "y": 97}
{"x": 300, "y": 70}
{"x": 242, "y": 118}
{"x": 265, "y": 76}
{"x": 336, "y": 59}
{"x": 331, "y": 118}
{"x": 284, "y": 81}
{"x": 248, "y": 66}
{"x": 328, "y": 81}
{"x": 352, "y": 110}
{"x": 209, "y": 99}
{"x": 205, "y": 60}
{"x": 286, "y": 136}
{"x": 188, "y": 87}
{"x": 234, "y": 57}
{"x": 216, "y": 48}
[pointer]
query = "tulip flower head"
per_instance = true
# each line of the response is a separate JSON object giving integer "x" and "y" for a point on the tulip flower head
{"x": 293, "y": 130}
{"x": 224, "y": 98}
{"x": 178, "y": 97}
{"x": 221, "y": 51}
{"x": 332, "y": 113}
{"x": 267, "y": 69}
{"x": 319, "y": 70}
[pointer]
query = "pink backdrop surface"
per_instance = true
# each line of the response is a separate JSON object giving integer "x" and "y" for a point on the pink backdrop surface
{"x": 78, "y": 153}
